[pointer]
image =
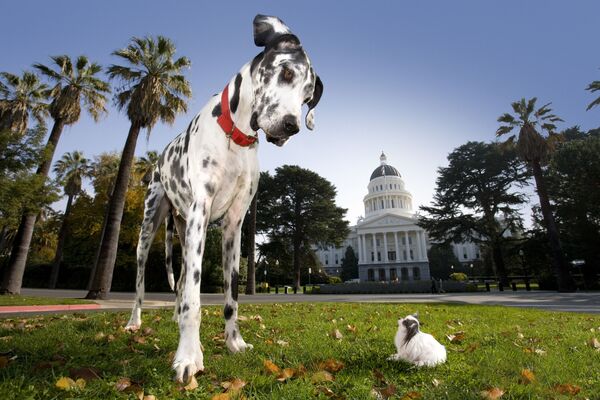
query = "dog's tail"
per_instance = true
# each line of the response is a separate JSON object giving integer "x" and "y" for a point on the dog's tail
{"x": 169, "y": 222}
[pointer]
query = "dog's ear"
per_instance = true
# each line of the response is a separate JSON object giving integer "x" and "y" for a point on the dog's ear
{"x": 268, "y": 28}
{"x": 312, "y": 103}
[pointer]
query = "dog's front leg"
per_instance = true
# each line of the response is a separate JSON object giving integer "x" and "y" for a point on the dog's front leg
{"x": 232, "y": 233}
{"x": 188, "y": 358}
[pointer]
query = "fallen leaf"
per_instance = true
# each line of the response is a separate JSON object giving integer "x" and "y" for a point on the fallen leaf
{"x": 193, "y": 384}
{"x": 122, "y": 384}
{"x": 331, "y": 365}
{"x": 66, "y": 383}
{"x": 282, "y": 343}
{"x": 527, "y": 376}
{"x": 233, "y": 386}
{"x": 411, "y": 396}
{"x": 492, "y": 393}
{"x": 594, "y": 343}
{"x": 286, "y": 374}
{"x": 385, "y": 392}
{"x": 270, "y": 367}
{"x": 435, "y": 382}
{"x": 149, "y": 397}
{"x": 379, "y": 377}
{"x": 321, "y": 376}
{"x": 336, "y": 334}
{"x": 221, "y": 396}
{"x": 87, "y": 373}
{"x": 351, "y": 328}
{"x": 138, "y": 339}
{"x": 567, "y": 388}
{"x": 147, "y": 331}
{"x": 456, "y": 337}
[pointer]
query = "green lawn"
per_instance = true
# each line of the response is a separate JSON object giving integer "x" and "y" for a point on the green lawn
{"x": 497, "y": 344}
{"x": 17, "y": 300}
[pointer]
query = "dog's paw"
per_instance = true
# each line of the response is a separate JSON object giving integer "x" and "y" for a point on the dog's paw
{"x": 187, "y": 364}
{"x": 238, "y": 345}
{"x": 133, "y": 325}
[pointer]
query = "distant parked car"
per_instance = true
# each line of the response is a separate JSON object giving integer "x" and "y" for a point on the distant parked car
{"x": 355, "y": 280}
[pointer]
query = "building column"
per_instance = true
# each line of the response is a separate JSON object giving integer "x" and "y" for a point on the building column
{"x": 364, "y": 249}
{"x": 406, "y": 245}
{"x": 359, "y": 249}
{"x": 419, "y": 256}
{"x": 397, "y": 248}
{"x": 385, "y": 248}
{"x": 424, "y": 244}
{"x": 374, "y": 249}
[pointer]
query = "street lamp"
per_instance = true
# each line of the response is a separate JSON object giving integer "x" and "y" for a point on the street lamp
{"x": 451, "y": 269}
{"x": 309, "y": 272}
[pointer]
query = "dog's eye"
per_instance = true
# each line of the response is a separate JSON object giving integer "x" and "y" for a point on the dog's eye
{"x": 287, "y": 75}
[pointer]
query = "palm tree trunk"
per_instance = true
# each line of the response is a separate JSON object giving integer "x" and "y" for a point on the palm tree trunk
{"x": 62, "y": 235}
{"x": 13, "y": 273}
{"x": 559, "y": 262}
{"x": 97, "y": 254}
{"x": 105, "y": 263}
{"x": 250, "y": 245}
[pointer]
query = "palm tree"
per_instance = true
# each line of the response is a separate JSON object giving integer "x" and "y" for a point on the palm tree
{"x": 593, "y": 87}
{"x": 534, "y": 148}
{"x": 73, "y": 85}
{"x": 70, "y": 171}
{"x": 20, "y": 98}
{"x": 145, "y": 165}
{"x": 153, "y": 90}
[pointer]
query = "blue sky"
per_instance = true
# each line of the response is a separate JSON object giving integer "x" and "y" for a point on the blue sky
{"x": 415, "y": 79}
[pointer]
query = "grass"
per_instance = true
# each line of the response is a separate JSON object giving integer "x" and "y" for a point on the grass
{"x": 18, "y": 300}
{"x": 498, "y": 344}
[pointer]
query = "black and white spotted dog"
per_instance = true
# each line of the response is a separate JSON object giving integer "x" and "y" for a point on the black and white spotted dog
{"x": 211, "y": 172}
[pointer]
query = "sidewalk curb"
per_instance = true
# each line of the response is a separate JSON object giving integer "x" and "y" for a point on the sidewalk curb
{"x": 57, "y": 307}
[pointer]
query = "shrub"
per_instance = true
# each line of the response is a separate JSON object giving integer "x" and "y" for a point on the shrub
{"x": 333, "y": 280}
{"x": 458, "y": 276}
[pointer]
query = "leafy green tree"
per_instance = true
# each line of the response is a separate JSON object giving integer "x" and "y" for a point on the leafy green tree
{"x": 153, "y": 89}
{"x": 73, "y": 85}
{"x": 145, "y": 165}
{"x": 21, "y": 98}
{"x": 573, "y": 177}
{"x": 349, "y": 265}
{"x": 21, "y": 190}
{"x": 70, "y": 171}
{"x": 441, "y": 258}
{"x": 534, "y": 149}
{"x": 475, "y": 199}
{"x": 299, "y": 209}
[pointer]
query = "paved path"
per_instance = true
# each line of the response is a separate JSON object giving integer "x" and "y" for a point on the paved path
{"x": 576, "y": 302}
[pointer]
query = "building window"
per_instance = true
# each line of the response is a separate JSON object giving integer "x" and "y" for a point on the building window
{"x": 410, "y": 240}
{"x": 403, "y": 241}
{"x": 392, "y": 255}
{"x": 464, "y": 252}
{"x": 326, "y": 260}
{"x": 370, "y": 275}
{"x": 393, "y": 206}
{"x": 416, "y": 273}
{"x": 393, "y": 275}
{"x": 381, "y": 274}
{"x": 378, "y": 256}
{"x": 404, "y": 254}
{"x": 477, "y": 255}
{"x": 412, "y": 257}
{"x": 382, "y": 206}
{"x": 372, "y": 256}
{"x": 404, "y": 274}
{"x": 377, "y": 242}
{"x": 336, "y": 259}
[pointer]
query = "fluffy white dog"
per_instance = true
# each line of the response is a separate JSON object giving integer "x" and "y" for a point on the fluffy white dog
{"x": 416, "y": 347}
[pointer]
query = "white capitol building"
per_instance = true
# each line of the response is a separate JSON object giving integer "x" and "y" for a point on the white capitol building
{"x": 389, "y": 244}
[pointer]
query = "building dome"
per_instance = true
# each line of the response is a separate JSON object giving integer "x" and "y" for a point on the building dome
{"x": 384, "y": 169}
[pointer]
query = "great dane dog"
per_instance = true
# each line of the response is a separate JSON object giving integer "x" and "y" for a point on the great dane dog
{"x": 210, "y": 171}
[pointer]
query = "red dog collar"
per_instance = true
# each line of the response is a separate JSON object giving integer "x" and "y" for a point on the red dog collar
{"x": 226, "y": 123}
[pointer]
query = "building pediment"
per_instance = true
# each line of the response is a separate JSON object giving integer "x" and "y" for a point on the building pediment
{"x": 387, "y": 220}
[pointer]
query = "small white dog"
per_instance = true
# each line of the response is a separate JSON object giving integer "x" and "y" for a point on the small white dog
{"x": 416, "y": 347}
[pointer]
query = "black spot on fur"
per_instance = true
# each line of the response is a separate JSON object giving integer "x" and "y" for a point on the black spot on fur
{"x": 209, "y": 188}
{"x": 205, "y": 162}
{"x": 179, "y": 309}
{"x": 412, "y": 328}
{"x": 256, "y": 61}
{"x": 196, "y": 276}
{"x": 185, "y": 308}
{"x": 187, "y": 142}
{"x": 254, "y": 122}
{"x": 140, "y": 302}
{"x": 234, "y": 285}
{"x": 199, "y": 250}
{"x": 214, "y": 163}
{"x": 228, "y": 312}
{"x": 171, "y": 152}
{"x": 235, "y": 99}
{"x": 229, "y": 245}
{"x": 216, "y": 112}
{"x": 234, "y": 334}
{"x": 156, "y": 176}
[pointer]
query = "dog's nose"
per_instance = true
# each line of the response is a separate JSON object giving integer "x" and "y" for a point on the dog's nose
{"x": 290, "y": 125}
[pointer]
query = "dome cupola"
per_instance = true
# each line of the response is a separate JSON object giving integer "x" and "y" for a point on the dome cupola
{"x": 386, "y": 192}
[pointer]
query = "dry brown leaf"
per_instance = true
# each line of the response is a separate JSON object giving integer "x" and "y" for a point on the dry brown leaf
{"x": 567, "y": 388}
{"x": 321, "y": 376}
{"x": 147, "y": 331}
{"x": 221, "y": 396}
{"x": 270, "y": 367}
{"x": 384, "y": 392}
{"x": 352, "y": 328}
{"x": 233, "y": 386}
{"x": 282, "y": 343}
{"x": 149, "y": 397}
{"x": 66, "y": 383}
{"x": 87, "y": 373}
{"x": 379, "y": 377}
{"x": 456, "y": 337}
{"x": 331, "y": 365}
{"x": 138, "y": 339}
{"x": 193, "y": 384}
{"x": 492, "y": 393}
{"x": 411, "y": 396}
{"x": 435, "y": 382}
{"x": 122, "y": 384}
{"x": 594, "y": 343}
{"x": 286, "y": 374}
{"x": 527, "y": 376}
{"x": 336, "y": 334}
